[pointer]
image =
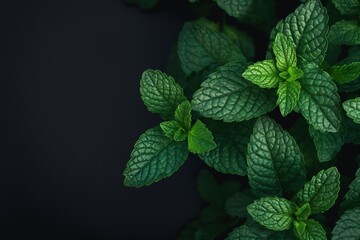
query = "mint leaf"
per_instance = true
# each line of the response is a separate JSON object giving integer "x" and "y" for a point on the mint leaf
{"x": 352, "y": 108}
{"x": 285, "y": 53}
{"x": 308, "y": 24}
{"x": 291, "y": 74}
{"x": 319, "y": 100}
{"x": 172, "y": 128}
{"x": 288, "y": 96}
{"x": 345, "y": 32}
{"x": 236, "y": 205}
{"x": 274, "y": 160}
{"x": 241, "y": 39}
{"x": 345, "y": 73}
{"x": 313, "y": 231}
{"x": 272, "y": 212}
{"x": 231, "y": 140}
{"x": 226, "y": 96}
{"x": 183, "y": 115}
{"x": 235, "y": 8}
{"x": 201, "y": 44}
{"x": 347, "y": 6}
{"x": 200, "y": 139}
{"x": 303, "y": 212}
{"x": 154, "y": 157}
{"x": 160, "y": 93}
{"x": 264, "y": 74}
{"x": 352, "y": 197}
{"x": 322, "y": 190}
{"x": 348, "y": 227}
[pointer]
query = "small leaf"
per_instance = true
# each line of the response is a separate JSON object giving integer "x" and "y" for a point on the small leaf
{"x": 312, "y": 231}
{"x": 170, "y": 128}
{"x": 352, "y": 108}
{"x": 200, "y": 139}
{"x": 275, "y": 162}
{"x": 347, "y": 6}
{"x": 183, "y": 115}
{"x": 272, "y": 212}
{"x": 288, "y": 96}
{"x": 348, "y": 227}
{"x": 227, "y": 96}
{"x": 352, "y": 197}
{"x": 303, "y": 212}
{"x": 322, "y": 191}
{"x": 264, "y": 74}
{"x": 236, "y": 205}
{"x": 160, "y": 93}
{"x": 154, "y": 157}
{"x": 291, "y": 74}
{"x": 285, "y": 53}
{"x": 345, "y": 73}
{"x": 345, "y": 32}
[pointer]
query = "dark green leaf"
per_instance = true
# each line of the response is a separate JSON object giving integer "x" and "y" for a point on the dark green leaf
{"x": 348, "y": 227}
{"x": 345, "y": 32}
{"x": 200, "y": 139}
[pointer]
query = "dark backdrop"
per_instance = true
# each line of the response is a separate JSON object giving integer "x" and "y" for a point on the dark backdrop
{"x": 70, "y": 114}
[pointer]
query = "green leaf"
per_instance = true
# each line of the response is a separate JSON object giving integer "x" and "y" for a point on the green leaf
{"x": 272, "y": 212}
{"x": 285, "y": 53}
{"x": 291, "y": 74}
{"x": 327, "y": 144}
{"x": 160, "y": 93}
{"x": 300, "y": 227}
{"x": 308, "y": 24}
{"x": 319, "y": 100}
{"x": 345, "y": 32}
{"x": 303, "y": 212}
{"x": 231, "y": 140}
{"x": 352, "y": 108}
{"x": 313, "y": 231}
{"x": 144, "y": 4}
{"x": 345, "y": 73}
{"x": 352, "y": 197}
{"x": 154, "y": 157}
{"x": 264, "y": 74}
{"x": 288, "y": 96}
{"x": 201, "y": 44}
{"x": 236, "y": 205}
{"x": 322, "y": 191}
{"x": 347, "y": 6}
{"x": 226, "y": 96}
{"x": 274, "y": 160}
{"x": 170, "y": 128}
{"x": 241, "y": 39}
{"x": 348, "y": 227}
{"x": 200, "y": 139}
{"x": 235, "y": 8}
{"x": 183, "y": 115}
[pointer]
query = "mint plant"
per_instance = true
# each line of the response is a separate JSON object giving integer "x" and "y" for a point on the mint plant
{"x": 277, "y": 123}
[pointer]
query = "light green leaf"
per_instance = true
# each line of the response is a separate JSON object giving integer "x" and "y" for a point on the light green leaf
{"x": 347, "y": 6}
{"x": 348, "y": 227}
{"x": 154, "y": 157}
{"x": 160, "y": 93}
{"x": 308, "y": 24}
{"x": 201, "y": 44}
{"x": 319, "y": 100}
{"x": 313, "y": 231}
{"x": 170, "y": 129}
{"x": 231, "y": 140}
{"x": 284, "y": 51}
{"x": 345, "y": 32}
{"x": 200, "y": 139}
{"x": 183, "y": 115}
{"x": 345, "y": 73}
{"x": 274, "y": 160}
{"x": 264, "y": 74}
{"x": 303, "y": 212}
{"x": 291, "y": 74}
{"x": 144, "y": 4}
{"x": 272, "y": 212}
{"x": 352, "y": 108}
{"x": 288, "y": 96}
{"x": 226, "y": 96}
{"x": 236, "y": 205}
{"x": 352, "y": 197}
{"x": 300, "y": 227}
{"x": 327, "y": 144}
{"x": 321, "y": 192}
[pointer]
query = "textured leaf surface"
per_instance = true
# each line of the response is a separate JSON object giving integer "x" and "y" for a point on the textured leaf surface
{"x": 285, "y": 53}
{"x": 170, "y": 128}
{"x": 307, "y": 27}
{"x": 241, "y": 39}
{"x": 352, "y": 197}
{"x": 313, "y": 231}
{"x": 272, "y": 212}
{"x": 183, "y": 115}
{"x": 160, "y": 93}
{"x": 154, "y": 157}
{"x": 345, "y": 73}
{"x": 201, "y": 44}
{"x": 345, "y": 32}
{"x": 274, "y": 160}
{"x": 352, "y": 108}
{"x": 227, "y": 96}
{"x": 327, "y": 144}
{"x": 288, "y": 96}
{"x": 319, "y": 100}
{"x": 347, "y": 6}
{"x": 322, "y": 190}
{"x": 348, "y": 227}
{"x": 236, "y": 205}
{"x": 264, "y": 74}
{"x": 200, "y": 139}
{"x": 235, "y": 8}
{"x": 303, "y": 212}
{"x": 231, "y": 140}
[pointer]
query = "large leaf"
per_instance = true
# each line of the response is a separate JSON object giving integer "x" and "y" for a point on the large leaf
{"x": 236, "y": 205}
{"x": 345, "y": 32}
{"x": 352, "y": 197}
{"x": 347, "y": 6}
{"x": 348, "y": 227}
{"x": 313, "y": 231}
